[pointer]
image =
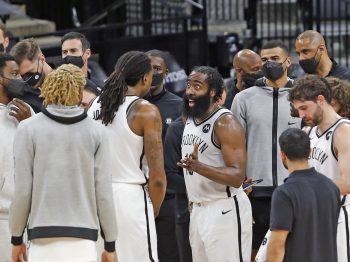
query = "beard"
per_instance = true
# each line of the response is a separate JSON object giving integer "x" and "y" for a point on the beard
{"x": 316, "y": 118}
{"x": 201, "y": 105}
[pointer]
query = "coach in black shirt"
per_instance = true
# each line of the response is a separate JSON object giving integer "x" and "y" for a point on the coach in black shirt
{"x": 169, "y": 106}
{"x": 304, "y": 210}
{"x": 313, "y": 56}
{"x": 176, "y": 182}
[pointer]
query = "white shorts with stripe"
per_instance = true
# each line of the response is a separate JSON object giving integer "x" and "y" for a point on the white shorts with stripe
{"x": 136, "y": 230}
{"x": 5, "y": 241}
{"x": 221, "y": 230}
{"x": 261, "y": 256}
{"x": 343, "y": 242}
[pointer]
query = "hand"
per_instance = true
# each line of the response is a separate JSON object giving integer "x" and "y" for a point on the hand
{"x": 249, "y": 190}
{"x": 19, "y": 253}
{"x": 190, "y": 162}
{"x": 22, "y": 111}
{"x": 109, "y": 257}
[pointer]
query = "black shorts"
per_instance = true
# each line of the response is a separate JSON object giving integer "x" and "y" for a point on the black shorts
{"x": 261, "y": 207}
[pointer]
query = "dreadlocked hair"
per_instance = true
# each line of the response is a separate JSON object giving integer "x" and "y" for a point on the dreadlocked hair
{"x": 63, "y": 86}
{"x": 128, "y": 71}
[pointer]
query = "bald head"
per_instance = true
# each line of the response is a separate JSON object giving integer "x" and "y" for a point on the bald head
{"x": 312, "y": 53}
{"x": 247, "y": 60}
{"x": 313, "y": 37}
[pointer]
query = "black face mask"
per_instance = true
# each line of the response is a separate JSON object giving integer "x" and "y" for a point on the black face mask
{"x": 248, "y": 80}
{"x": 202, "y": 104}
{"x": 309, "y": 65}
{"x": 33, "y": 79}
{"x": 74, "y": 60}
{"x": 273, "y": 70}
{"x": 2, "y": 49}
{"x": 15, "y": 88}
{"x": 157, "y": 79}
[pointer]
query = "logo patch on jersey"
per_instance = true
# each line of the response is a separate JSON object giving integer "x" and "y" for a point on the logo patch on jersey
{"x": 328, "y": 135}
{"x": 206, "y": 128}
{"x": 263, "y": 243}
{"x": 168, "y": 121}
{"x": 225, "y": 212}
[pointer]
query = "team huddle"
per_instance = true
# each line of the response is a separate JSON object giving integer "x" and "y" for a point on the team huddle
{"x": 88, "y": 178}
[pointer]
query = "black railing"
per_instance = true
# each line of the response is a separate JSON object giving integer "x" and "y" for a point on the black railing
{"x": 285, "y": 19}
{"x": 186, "y": 40}
{"x": 274, "y": 20}
{"x": 226, "y": 10}
{"x": 332, "y": 21}
{"x": 178, "y": 26}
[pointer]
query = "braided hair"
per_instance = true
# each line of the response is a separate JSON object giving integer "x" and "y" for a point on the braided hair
{"x": 128, "y": 71}
{"x": 63, "y": 86}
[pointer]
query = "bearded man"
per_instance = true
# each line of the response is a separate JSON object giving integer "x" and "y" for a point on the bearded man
{"x": 214, "y": 160}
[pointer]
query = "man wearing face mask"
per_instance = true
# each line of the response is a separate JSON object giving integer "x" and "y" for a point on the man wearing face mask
{"x": 76, "y": 50}
{"x": 33, "y": 69}
{"x": 12, "y": 111}
{"x": 247, "y": 65}
{"x": 168, "y": 103}
{"x": 169, "y": 106}
{"x": 264, "y": 112}
{"x": 314, "y": 58}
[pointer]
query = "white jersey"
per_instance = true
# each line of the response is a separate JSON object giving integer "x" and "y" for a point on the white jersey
{"x": 199, "y": 188}
{"x": 325, "y": 161}
{"x": 323, "y": 156}
{"x": 128, "y": 155}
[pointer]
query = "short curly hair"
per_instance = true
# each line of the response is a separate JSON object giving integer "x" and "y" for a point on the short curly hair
{"x": 309, "y": 87}
{"x": 63, "y": 86}
{"x": 341, "y": 94}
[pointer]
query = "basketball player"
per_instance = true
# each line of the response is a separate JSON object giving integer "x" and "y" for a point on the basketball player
{"x": 214, "y": 159}
{"x": 135, "y": 131}
{"x": 330, "y": 144}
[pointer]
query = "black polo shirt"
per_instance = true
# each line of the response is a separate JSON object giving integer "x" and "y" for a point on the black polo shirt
{"x": 169, "y": 106}
{"x": 232, "y": 91}
{"x": 174, "y": 173}
{"x": 339, "y": 71}
{"x": 307, "y": 206}
{"x": 172, "y": 155}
